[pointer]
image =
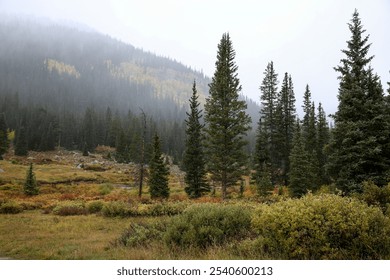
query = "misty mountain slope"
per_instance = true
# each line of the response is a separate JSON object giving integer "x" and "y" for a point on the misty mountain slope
{"x": 59, "y": 66}
{"x": 63, "y": 68}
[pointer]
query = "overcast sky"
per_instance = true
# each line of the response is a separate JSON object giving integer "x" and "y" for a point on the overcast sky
{"x": 303, "y": 38}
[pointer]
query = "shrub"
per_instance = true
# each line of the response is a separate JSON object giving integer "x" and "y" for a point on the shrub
{"x": 374, "y": 195}
{"x": 118, "y": 209}
{"x": 323, "y": 227}
{"x": 162, "y": 209}
{"x": 70, "y": 208}
{"x": 105, "y": 189}
{"x": 10, "y": 207}
{"x": 208, "y": 224}
{"x": 141, "y": 234}
{"x": 94, "y": 206}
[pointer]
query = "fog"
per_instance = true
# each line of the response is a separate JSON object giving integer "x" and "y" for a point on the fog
{"x": 303, "y": 38}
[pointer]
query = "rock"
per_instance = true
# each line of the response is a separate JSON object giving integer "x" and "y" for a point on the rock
{"x": 1, "y": 170}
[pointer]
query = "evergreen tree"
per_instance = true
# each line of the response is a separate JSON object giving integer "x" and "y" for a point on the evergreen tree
{"x": 31, "y": 185}
{"x": 227, "y": 121}
{"x": 262, "y": 161}
{"x": 322, "y": 140}
{"x": 158, "y": 172}
{"x": 309, "y": 130}
{"x": 359, "y": 147}
{"x": 194, "y": 162}
{"x": 21, "y": 142}
{"x": 4, "y": 143}
{"x": 285, "y": 121}
{"x": 265, "y": 150}
{"x": 301, "y": 175}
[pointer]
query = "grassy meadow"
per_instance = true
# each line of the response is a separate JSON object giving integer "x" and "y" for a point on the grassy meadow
{"x": 92, "y": 211}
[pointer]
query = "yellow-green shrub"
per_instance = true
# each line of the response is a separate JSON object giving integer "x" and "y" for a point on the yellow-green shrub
{"x": 141, "y": 234}
{"x": 118, "y": 209}
{"x": 208, "y": 224}
{"x": 378, "y": 196}
{"x": 70, "y": 208}
{"x": 94, "y": 206}
{"x": 10, "y": 207}
{"x": 323, "y": 227}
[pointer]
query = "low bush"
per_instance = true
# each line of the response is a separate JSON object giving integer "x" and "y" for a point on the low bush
{"x": 94, "y": 206}
{"x": 162, "y": 209}
{"x": 70, "y": 208}
{"x": 322, "y": 227}
{"x": 10, "y": 207}
{"x": 208, "y": 224}
{"x": 118, "y": 209}
{"x": 141, "y": 234}
{"x": 377, "y": 196}
{"x": 105, "y": 189}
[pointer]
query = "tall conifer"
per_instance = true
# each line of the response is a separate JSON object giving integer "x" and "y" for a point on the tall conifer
{"x": 359, "y": 147}
{"x": 194, "y": 161}
{"x": 227, "y": 121}
{"x": 285, "y": 121}
{"x": 323, "y": 136}
{"x": 301, "y": 174}
{"x": 265, "y": 152}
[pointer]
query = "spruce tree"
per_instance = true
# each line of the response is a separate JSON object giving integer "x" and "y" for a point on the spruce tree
{"x": 309, "y": 132}
{"x": 158, "y": 172}
{"x": 301, "y": 174}
{"x": 194, "y": 161}
{"x": 227, "y": 121}
{"x": 262, "y": 161}
{"x": 30, "y": 185}
{"x": 359, "y": 146}
{"x": 4, "y": 143}
{"x": 285, "y": 122}
{"x": 323, "y": 137}
{"x": 265, "y": 159}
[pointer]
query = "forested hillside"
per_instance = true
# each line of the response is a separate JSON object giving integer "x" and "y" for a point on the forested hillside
{"x": 78, "y": 89}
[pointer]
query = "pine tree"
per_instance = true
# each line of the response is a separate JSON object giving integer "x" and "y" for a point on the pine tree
{"x": 323, "y": 138}
{"x": 227, "y": 121}
{"x": 21, "y": 142}
{"x": 265, "y": 151}
{"x": 309, "y": 132}
{"x": 30, "y": 185}
{"x": 359, "y": 147}
{"x": 306, "y": 108}
{"x": 158, "y": 172}
{"x": 301, "y": 175}
{"x": 285, "y": 121}
{"x": 262, "y": 161}
{"x": 194, "y": 162}
{"x": 4, "y": 143}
